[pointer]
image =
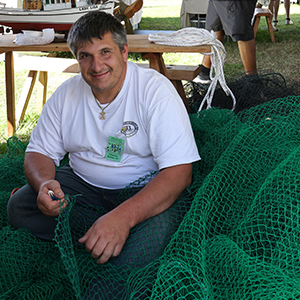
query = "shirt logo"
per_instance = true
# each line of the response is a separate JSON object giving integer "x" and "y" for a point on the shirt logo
{"x": 129, "y": 128}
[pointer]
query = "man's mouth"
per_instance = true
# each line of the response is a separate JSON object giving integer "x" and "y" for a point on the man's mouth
{"x": 100, "y": 74}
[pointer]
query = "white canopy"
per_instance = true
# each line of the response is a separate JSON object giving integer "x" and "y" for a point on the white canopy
{"x": 191, "y": 7}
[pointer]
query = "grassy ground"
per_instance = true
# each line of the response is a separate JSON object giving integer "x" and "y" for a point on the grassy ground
{"x": 281, "y": 56}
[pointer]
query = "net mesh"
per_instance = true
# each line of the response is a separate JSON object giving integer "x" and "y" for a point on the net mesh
{"x": 239, "y": 237}
{"x": 248, "y": 91}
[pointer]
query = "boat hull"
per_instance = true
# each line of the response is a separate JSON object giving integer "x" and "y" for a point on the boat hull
{"x": 60, "y": 20}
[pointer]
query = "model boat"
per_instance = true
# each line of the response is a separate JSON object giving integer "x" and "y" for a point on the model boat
{"x": 57, "y": 14}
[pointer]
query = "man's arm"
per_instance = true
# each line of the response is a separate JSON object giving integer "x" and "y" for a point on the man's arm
{"x": 108, "y": 234}
{"x": 40, "y": 174}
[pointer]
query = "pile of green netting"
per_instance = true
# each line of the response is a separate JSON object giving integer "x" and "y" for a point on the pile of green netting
{"x": 240, "y": 237}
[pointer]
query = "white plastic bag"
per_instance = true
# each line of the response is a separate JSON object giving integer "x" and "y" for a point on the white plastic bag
{"x": 46, "y": 38}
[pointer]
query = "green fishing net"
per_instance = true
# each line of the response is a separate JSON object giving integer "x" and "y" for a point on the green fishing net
{"x": 239, "y": 223}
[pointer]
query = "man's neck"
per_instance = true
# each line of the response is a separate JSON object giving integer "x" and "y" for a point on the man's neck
{"x": 109, "y": 95}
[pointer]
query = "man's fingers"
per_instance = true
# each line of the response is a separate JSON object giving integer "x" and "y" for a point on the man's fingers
{"x": 105, "y": 238}
{"x": 83, "y": 239}
{"x": 107, "y": 253}
{"x": 99, "y": 248}
{"x": 52, "y": 208}
{"x": 57, "y": 194}
{"x": 117, "y": 250}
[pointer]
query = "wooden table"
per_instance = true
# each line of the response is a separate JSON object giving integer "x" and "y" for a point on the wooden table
{"x": 137, "y": 43}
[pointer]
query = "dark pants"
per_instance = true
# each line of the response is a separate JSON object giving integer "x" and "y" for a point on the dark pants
{"x": 146, "y": 240}
{"x": 23, "y": 211}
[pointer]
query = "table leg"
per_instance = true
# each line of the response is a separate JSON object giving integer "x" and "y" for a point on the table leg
{"x": 25, "y": 96}
{"x": 179, "y": 87}
{"x": 10, "y": 92}
{"x": 156, "y": 62}
{"x": 42, "y": 90}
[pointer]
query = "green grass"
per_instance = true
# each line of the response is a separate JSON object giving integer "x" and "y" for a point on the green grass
{"x": 282, "y": 56}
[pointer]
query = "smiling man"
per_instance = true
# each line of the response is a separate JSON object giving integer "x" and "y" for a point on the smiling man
{"x": 118, "y": 122}
{"x": 103, "y": 66}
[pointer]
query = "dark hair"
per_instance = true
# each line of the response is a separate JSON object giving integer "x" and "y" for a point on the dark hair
{"x": 94, "y": 25}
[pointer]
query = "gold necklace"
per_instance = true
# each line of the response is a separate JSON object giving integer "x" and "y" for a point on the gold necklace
{"x": 102, "y": 113}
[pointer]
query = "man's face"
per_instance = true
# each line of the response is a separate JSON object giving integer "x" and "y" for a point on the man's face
{"x": 103, "y": 66}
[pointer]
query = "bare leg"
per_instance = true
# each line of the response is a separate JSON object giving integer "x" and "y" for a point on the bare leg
{"x": 271, "y": 6}
{"x": 248, "y": 56}
{"x": 275, "y": 9}
{"x": 287, "y": 5}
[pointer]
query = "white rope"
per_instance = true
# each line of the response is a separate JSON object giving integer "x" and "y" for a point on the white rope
{"x": 191, "y": 36}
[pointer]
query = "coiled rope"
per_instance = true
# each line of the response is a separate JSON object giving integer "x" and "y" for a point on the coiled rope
{"x": 191, "y": 36}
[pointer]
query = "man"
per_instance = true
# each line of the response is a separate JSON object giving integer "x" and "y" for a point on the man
{"x": 232, "y": 18}
{"x": 118, "y": 122}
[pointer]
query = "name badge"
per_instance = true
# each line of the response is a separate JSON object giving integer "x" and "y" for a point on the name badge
{"x": 114, "y": 148}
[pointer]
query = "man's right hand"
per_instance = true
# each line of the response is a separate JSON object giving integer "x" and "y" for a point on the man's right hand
{"x": 46, "y": 204}
{"x": 40, "y": 174}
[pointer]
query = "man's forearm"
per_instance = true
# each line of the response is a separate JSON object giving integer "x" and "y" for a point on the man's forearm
{"x": 106, "y": 237}
{"x": 38, "y": 169}
{"x": 158, "y": 195}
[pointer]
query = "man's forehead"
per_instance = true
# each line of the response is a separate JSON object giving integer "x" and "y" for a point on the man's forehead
{"x": 105, "y": 41}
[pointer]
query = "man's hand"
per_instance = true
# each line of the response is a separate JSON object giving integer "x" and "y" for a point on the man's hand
{"x": 108, "y": 234}
{"x": 40, "y": 174}
{"x": 106, "y": 237}
{"x": 46, "y": 204}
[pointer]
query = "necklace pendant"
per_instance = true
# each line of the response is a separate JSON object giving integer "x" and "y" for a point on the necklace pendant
{"x": 102, "y": 116}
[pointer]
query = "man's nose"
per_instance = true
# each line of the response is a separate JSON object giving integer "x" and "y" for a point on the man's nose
{"x": 97, "y": 63}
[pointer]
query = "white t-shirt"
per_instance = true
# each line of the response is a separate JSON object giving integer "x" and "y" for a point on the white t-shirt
{"x": 158, "y": 130}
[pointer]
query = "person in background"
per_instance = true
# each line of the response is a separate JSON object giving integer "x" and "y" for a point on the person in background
{"x": 232, "y": 18}
{"x": 287, "y": 5}
{"x": 274, "y": 8}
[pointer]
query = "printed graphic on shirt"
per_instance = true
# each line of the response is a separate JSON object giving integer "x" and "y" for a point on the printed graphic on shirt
{"x": 129, "y": 128}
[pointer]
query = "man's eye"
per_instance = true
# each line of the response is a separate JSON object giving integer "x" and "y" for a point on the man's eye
{"x": 84, "y": 55}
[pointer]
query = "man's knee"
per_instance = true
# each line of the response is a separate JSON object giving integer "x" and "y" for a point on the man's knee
{"x": 16, "y": 206}
{"x": 23, "y": 212}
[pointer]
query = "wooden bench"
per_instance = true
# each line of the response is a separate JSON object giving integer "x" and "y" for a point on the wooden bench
{"x": 42, "y": 65}
{"x": 263, "y": 12}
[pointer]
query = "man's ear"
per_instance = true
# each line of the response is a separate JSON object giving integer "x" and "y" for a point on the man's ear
{"x": 125, "y": 53}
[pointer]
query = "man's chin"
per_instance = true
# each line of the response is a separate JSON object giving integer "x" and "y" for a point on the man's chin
{"x": 101, "y": 89}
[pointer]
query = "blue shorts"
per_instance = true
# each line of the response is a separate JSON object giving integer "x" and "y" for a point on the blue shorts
{"x": 233, "y": 16}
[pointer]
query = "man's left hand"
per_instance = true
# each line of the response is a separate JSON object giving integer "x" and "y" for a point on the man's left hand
{"x": 106, "y": 237}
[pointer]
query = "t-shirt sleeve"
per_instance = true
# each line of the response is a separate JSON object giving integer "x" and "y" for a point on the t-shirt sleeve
{"x": 171, "y": 137}
{"x": 46, "y": 136}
